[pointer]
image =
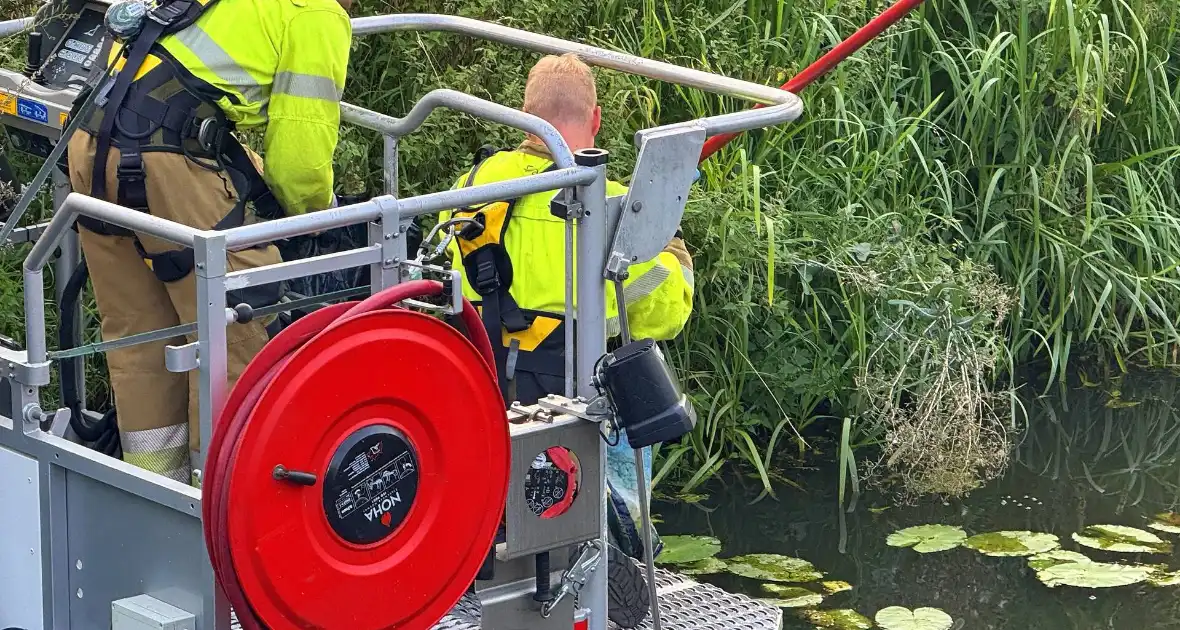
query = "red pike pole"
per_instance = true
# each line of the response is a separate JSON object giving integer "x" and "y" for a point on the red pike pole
{"x": 818, "y": 69}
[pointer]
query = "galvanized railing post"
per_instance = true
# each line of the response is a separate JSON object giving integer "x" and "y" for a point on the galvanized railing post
{"x": 212, "y": 351}
{"x": 591, "y": 334}
{"x": 389, "y": 232}
{"x": 390, "y": 169}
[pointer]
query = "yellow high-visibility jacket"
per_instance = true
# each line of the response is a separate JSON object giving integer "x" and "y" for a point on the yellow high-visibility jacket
{"x": 658, "y": 292}
{"x": 281, "y": 63}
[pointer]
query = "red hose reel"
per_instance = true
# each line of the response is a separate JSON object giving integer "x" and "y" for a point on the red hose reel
{"x": 359, "y": 470}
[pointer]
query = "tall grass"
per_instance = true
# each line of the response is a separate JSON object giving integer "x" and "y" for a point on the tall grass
{"x": 992, "y": 183}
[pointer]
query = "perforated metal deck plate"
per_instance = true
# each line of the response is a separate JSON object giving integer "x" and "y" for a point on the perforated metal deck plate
{"x": 684, "y": 605}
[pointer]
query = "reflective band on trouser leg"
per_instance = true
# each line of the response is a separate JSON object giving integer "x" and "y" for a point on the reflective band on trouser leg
{"x": 163, "y": 451}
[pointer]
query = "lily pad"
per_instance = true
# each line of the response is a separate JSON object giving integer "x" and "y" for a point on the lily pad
{"x": 1094, "y": 574}
{"x": 686, "y": 549}
{"x": 1166, "y": 522}
{"x": 1122, "y": 539}
{"x": 1013, "y": 543}
{"x": 898, "y": 618}
{"x": 839, "y": 619}
{"x": 773, "y": 568}
{"x": 708, "y": 566}
{"x": 833, "y": 587}
{"x": 928, "y": 538}
{"x": 1054, "y": 558}
{"x": 1164, "y": 578}
{"x": 791, "y": 596}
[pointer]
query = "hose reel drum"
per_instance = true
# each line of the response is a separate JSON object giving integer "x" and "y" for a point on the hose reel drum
{"x": 360, "y": 470}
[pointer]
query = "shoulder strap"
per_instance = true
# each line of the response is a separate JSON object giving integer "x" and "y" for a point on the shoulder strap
{"x": 488, "y": 269}
{"x": 483, "y": 153}
{"x": 170, "y": 17}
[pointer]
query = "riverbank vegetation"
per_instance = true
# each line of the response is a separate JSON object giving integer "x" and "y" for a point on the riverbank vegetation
{"x": 991, "y": 184}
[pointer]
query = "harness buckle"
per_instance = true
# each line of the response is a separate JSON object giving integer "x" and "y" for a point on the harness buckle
{"x": 474, "y": 228}
{"x": 169, "y": 12}
{"x": 211, "y": 135}
{"x": 487, "y": 277}
{"x": 130, "y": 167}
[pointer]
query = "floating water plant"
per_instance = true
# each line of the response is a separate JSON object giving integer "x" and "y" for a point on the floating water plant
{"x": 791, "y": 596}
{"x": 1094, "y": 574}
{"x": 1165, "y": 578}
{"x": 1056, "y": 557}
{"x": 1122, "y": 539}
{"x": 928, "y": 538}
{"x": 688, "y": 549}
{"x": 708, "y": 566}
{"x": 898, "y": 618}
{"x": 833, "y": 587}
{"x": 840, "y": 619}
{"x": 1166, "y": 522}
{"x": 1013, "y": 543}
{"x": 773, "y": 568}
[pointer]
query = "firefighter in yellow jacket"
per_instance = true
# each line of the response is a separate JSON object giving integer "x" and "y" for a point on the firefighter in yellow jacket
{"x": 161, "y": 141}
{"x": 526, "y": 297}
{"x": 531, "y": 303}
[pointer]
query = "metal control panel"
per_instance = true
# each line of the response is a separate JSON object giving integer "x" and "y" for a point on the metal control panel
{"x": 71, "y": 46}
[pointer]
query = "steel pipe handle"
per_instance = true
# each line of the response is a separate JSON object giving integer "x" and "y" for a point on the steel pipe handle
{"x": 468, "y": 104}
{"x": 12, "y": 27}
{"x": 592, "y": 55}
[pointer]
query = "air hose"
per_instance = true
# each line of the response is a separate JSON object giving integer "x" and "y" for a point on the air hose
{"x": 222, "y": 456}
{"x": 103, "y": 435}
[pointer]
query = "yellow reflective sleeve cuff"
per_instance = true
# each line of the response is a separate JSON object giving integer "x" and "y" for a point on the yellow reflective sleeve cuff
{"x": 659, "y": 296}
{"x": 299, "y": 177}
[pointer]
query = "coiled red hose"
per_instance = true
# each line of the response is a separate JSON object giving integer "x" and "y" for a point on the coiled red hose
{"x": 250, "y": 387}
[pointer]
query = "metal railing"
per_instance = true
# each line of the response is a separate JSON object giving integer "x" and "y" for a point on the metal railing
{"x": 385, "y": 214}
{"x": 785, "y": 106}
{"x": 458, "y": 101}
{"x": 592, "y": 55}
{"x": 12, "y": 27}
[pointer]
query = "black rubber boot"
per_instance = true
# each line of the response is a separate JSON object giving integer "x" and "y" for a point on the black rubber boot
{"x": 627, "y": 594}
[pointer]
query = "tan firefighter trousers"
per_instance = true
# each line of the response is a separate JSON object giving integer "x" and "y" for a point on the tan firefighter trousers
{"x": 157, "y": 409}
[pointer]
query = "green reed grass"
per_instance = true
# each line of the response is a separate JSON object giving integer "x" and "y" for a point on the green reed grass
{"x": 992, "y": 183}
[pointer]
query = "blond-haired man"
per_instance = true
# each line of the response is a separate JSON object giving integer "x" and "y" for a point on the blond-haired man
{"x": 516, "y": 278}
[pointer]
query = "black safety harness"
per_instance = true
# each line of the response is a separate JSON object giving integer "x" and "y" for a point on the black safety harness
{"x": 168, "y": 110}
{"x": 488, "y": 269}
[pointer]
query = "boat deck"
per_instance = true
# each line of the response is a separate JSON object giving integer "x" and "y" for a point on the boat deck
{"x": 684, "y": 605}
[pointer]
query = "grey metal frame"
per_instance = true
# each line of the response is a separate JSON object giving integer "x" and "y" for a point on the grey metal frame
{"x": 388, "y": 216}
{"x": 12, "y": 27}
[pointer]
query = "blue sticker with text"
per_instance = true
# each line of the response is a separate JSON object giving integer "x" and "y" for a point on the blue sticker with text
{"x": 32, "y": 110}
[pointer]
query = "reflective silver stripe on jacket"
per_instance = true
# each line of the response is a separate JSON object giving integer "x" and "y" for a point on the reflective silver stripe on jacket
{"x": 216, "y": 60}
{"x": 307, "y": 86}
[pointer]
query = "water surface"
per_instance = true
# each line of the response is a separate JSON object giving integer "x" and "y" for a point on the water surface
{"x": 1093, "y": 455}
